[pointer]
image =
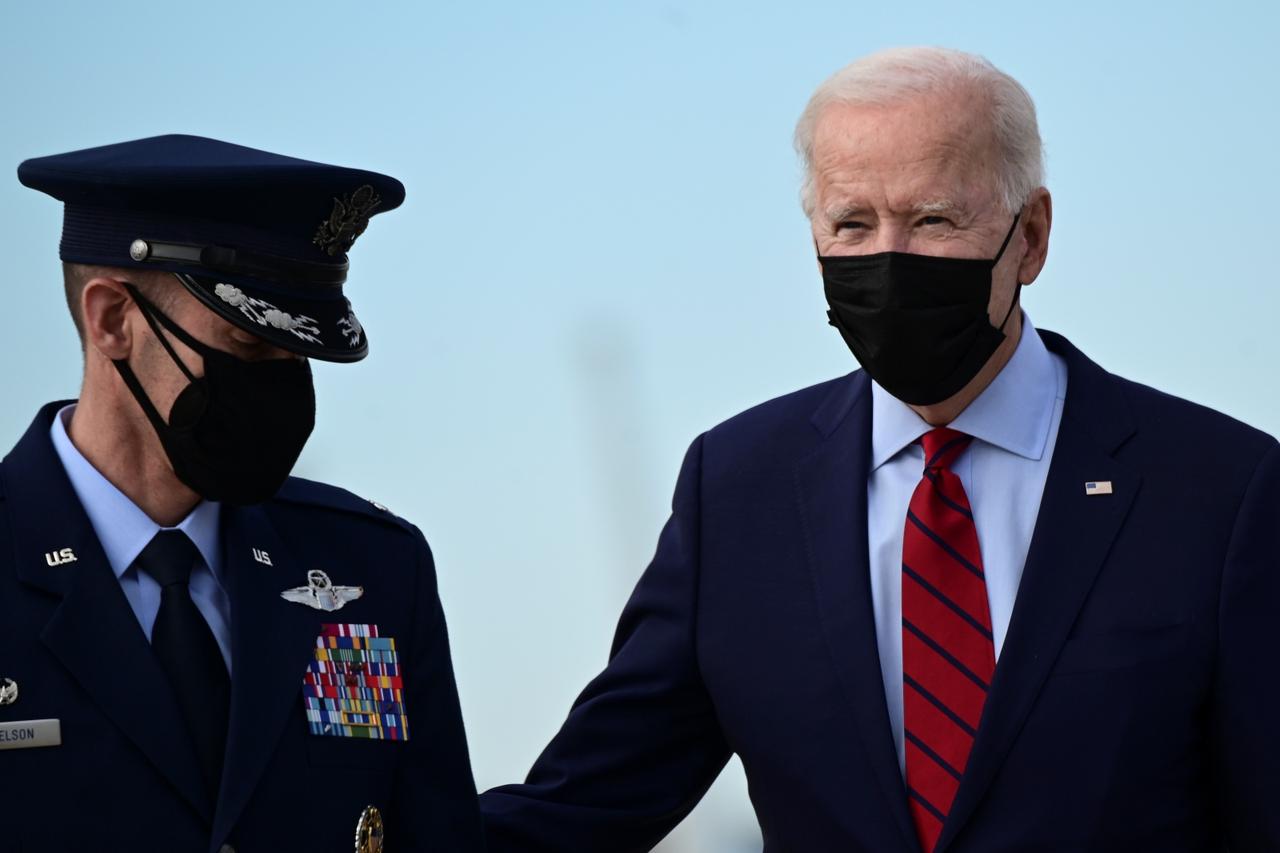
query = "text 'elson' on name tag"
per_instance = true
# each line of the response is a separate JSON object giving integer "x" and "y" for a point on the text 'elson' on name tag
{"x": 28, "y": 734}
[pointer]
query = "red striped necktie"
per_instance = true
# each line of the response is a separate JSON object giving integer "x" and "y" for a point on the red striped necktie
{"x": 948, "y": 656}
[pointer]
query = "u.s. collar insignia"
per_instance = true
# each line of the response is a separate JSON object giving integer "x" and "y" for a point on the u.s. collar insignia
{"x": 347, "y": 222}
{"x": 321, "y": 593}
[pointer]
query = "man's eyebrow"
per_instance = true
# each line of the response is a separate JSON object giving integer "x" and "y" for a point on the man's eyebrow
{"x": 841, "y": 212}
{"x": 937, "y": 205}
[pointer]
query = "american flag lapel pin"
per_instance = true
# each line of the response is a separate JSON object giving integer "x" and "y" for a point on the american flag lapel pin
{"x": 1098, "y": 487}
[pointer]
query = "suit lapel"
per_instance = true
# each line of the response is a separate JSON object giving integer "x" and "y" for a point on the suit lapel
{"x": 272, "y": 642}
{"x": 1073, "y": 535}
{"x": 93, "y": 632}
{"x": 832, "y": 493}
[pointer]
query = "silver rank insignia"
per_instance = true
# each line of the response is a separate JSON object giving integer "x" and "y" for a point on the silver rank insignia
{"x": 321, "y": 593}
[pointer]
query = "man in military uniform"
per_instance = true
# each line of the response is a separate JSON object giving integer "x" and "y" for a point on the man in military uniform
{"x": 198, "y": 652}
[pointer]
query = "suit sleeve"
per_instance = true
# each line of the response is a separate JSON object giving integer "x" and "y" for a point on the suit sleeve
{"x": 1245, "y": 716}
{"x": 641, "y": 745}
{"x": 435, "y": 799}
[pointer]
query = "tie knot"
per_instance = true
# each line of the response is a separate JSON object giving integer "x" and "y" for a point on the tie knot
{"x": 168, "y": 558}
{"x": 942, "y": 446}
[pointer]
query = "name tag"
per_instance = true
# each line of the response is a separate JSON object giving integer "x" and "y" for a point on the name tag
{"x": 28, "y": 734}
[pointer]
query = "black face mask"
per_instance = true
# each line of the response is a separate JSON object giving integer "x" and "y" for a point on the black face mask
{"x": 917, "y": 324}
{"x": 233, "y": 434}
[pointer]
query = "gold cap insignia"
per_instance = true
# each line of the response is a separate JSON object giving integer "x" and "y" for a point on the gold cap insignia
{"x": 347, "y": 222}
{"x": 369, "y": 831}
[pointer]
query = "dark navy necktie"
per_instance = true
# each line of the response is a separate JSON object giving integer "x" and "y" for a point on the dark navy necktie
{"x": 188, "y": 652}
{"x": 948, "y": 653}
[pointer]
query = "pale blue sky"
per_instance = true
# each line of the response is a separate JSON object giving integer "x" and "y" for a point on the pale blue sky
{"x": 602, "y": 255}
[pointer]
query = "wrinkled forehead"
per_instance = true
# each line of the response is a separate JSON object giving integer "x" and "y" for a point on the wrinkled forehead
{"x": 931, "y": 144}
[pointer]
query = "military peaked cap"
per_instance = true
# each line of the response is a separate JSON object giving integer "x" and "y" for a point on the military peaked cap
{"x": 260, "y": 238}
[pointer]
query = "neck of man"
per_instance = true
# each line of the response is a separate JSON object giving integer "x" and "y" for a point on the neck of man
{"x": 116, "y": 438}
{"x": 941, "y": 414}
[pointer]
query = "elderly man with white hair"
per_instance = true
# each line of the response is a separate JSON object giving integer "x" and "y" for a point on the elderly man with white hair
{"x": 979, "y": 595}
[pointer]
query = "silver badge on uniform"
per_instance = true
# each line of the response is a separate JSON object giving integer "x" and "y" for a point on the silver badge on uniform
{"x": 8, "y": 691}
{"x": 321, "y": 593}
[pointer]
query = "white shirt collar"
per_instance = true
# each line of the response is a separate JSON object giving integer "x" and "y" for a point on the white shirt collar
{"x": 1014, "y": 412}
{"x": 122, "y": 528}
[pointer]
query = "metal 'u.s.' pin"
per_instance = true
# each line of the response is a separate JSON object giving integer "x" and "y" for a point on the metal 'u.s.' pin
{"x": 60, "y": 557}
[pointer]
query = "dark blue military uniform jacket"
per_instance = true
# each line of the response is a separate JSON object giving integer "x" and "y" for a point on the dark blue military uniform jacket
{"x": 126, "y": 777}
{"x": 1135, "y": 705}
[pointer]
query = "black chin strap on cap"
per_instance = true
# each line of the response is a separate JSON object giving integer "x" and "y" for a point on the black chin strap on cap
{"x": 225, "y": 259}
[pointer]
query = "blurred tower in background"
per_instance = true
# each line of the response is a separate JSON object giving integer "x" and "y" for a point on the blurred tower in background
{"x": 617, "y": 421}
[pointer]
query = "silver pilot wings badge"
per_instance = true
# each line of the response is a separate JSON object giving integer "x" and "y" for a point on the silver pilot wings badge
{"x": 320, "y": 593}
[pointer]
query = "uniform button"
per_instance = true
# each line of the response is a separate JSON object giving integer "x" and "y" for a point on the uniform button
{"x": 226, "y": 848}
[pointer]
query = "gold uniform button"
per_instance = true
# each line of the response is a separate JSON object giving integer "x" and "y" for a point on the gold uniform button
{"x": 369, "y": 831}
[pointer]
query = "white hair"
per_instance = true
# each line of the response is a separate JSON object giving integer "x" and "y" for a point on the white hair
{"x": 899, "y": 73}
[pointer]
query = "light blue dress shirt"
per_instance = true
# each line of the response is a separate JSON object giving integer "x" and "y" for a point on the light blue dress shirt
{"x": 124, "y": 530}
{"x": 1014, "y": 423}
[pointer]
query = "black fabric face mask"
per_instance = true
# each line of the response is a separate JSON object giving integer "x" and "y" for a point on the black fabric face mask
{"x": 235, "y": 433}
{"x": 917, "y": 324}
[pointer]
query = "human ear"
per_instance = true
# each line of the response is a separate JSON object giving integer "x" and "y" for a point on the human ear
{"x": 1037, "y": 219}
{"x": 104, "y": 307}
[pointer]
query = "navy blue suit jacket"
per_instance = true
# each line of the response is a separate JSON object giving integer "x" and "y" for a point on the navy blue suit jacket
{"x": 126, "y": 777}
{"x": 1135, "y": 706}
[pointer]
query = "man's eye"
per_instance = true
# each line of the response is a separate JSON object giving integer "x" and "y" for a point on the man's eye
{"x": 850, "y": 226}
{"x": 933, "y": 220}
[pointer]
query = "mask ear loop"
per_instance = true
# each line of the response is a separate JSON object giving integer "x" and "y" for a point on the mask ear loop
{"x": 131, "y": 379}
{"x": 1007, "y": 238}
{"x": 154, "y": 316}
{"x": 147, "y": 308}
{"x": 1017, "y": 294}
